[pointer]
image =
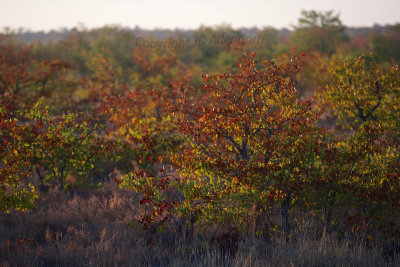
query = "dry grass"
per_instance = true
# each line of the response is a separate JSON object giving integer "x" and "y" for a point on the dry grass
{"x": 92, "y": 228}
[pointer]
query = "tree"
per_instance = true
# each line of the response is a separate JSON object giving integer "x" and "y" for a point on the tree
{"x": 365, "y": 101}
{"x": 138, "y": 115}
{"x": 319, "y": 31}
{"x": 65, "y": 148}
{"x": 140, "y": 123}
{"x": 267, "y": 44}
{"x": 361, "y": 92}
{"x": 15, "y": 164}
{"x": 385, "y": 45}
{"x": 252, "y": 144}
{"x": 24, "y": 78}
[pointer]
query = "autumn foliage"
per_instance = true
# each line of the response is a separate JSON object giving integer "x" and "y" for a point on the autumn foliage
{"x": 244, "y": 149}
{"x": 15, "y": 164}
{"x": 252, "y": 142}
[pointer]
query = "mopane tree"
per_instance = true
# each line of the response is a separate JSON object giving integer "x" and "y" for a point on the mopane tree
{"x": 319, "y": 31}
{"x": 139, "y": 122}
{"x": 15, "y": 163}
{"x": 365, "y": 101}
{"x": 253, "y": 144}
{"x": 65, "y": 148}
{"x": 24, "y": 78}
{"x": 138, "y": 113}
{"x": 385, "y": 45}
{"x": 360, "y": 92}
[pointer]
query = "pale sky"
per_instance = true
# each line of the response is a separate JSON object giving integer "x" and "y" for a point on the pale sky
{"x": 186, "y": 14}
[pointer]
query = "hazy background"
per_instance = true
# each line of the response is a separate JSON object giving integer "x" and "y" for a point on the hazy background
{"x": 45, "y": 15}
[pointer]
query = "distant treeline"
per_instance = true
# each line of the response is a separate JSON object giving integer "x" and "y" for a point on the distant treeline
{"x": 53, "y": 36}
{"x": 321, "y": 35}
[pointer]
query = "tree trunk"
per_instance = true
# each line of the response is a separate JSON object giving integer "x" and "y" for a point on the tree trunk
{"x": 328, "y": 213}
{"x": 285, "y": 207}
